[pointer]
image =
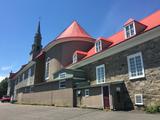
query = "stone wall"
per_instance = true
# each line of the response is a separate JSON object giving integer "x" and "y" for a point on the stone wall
{"x": 116, "y": 68}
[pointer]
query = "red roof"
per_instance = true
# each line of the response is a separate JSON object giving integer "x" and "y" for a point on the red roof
{"x": 108, "y": 42}
{"x": 74, "y": 30}
{"x": 80, "y": 52}
{"x": 150, "y": 21}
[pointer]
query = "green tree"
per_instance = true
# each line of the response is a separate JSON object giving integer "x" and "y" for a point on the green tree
{"x": 3, "y": 87}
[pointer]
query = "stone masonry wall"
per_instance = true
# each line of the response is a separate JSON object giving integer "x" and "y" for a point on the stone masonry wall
{"x": 116, "y": 68}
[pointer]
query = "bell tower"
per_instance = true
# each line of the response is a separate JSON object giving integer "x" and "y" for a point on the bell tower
{"x": 36, "y": 46}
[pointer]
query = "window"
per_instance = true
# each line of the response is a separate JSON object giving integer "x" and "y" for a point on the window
{"x": 74, "y": 59}
{"x": 138, "y": 99}
{"x": 130, "y": 30}
{"x": 62, "y": 84}
{"x": 32, "y": 70}
{"x": 47, "y": 70}
{"x": 26, "y": 75}
{"x": 98, "y": 46}
{"x": 20, "y": 77}
{"x": 23, "y": 76}
{"x": 29, "y": 72}
{"x": 86, "y": 92}
{"x": 62, "y": 75}
{"x": 100, "y": 74}
{"x": 29, "y": 76}
{"x": 135, "y": 66}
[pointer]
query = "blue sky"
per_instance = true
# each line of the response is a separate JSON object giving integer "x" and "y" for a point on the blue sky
{"x": 19, "y": 18}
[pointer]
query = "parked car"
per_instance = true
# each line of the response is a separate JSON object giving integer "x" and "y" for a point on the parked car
{"x": 5, "y": 98}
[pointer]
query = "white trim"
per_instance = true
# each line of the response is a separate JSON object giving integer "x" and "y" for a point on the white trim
{"x": 61, "y": 82}
{"x": 137, "y": 40}
{"x": 85, "y": 91}
{"x": 125, "y": 31}
{"x": 97, "y": 67}
{"x": 100, "y": 46}
{"x": 129, "y": 68}
{"x": 136, "y": 99}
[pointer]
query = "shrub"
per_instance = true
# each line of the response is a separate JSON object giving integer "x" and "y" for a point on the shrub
{"x": 153, "y": 108}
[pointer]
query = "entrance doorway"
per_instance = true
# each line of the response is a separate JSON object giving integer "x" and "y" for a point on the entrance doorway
{"x": 106, "y": 97}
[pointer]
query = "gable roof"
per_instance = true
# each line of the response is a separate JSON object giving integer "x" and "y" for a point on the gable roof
{"x": 150, "y": 21}
{"x": 74, "y": 30}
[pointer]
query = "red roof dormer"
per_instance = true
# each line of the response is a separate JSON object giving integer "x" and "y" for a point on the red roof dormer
{"x": 105, "y": 41}
{"x": 133, "y": 27}
{"x": 78, "y": 55}
{"x": 101, "y": 44}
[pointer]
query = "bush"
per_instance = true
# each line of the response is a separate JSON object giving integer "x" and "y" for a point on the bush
{"x": 153, "y": 108}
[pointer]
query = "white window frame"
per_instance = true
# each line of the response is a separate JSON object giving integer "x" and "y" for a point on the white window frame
{"x": 100, "y": 66}
{"x": 85, "y": 92}
{"x": 47, "y": 69}
{"x": 137, "y": 103}
{"x": 98, "y": 46}
{"x": 74, "y": 58}
{"x": 62, "y": 75}
{"x": 129, "y": 66}
{"x": 61, "y": 82}
{"x": 134, "y": 29}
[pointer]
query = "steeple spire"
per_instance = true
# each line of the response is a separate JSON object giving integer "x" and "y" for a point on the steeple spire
{"x": 39, "y": 28}
{"x": 36, "y": 47}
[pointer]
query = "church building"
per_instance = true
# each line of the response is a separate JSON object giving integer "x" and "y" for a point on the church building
{"x": 120, "y": 72}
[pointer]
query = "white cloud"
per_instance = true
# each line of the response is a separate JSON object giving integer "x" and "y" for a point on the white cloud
{"x": 5, "y": 68}
{"x": 1, "y": 78}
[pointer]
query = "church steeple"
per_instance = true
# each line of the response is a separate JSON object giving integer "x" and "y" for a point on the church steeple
{"x": 36, "y": 47}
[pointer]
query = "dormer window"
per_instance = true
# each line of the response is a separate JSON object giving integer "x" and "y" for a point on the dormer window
{"x": 130, "y": 30}
{"x": 98, "y": 46}
{"x": 74, "y": 59}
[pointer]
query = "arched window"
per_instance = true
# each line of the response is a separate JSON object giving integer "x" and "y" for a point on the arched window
{"x": 47, "y": 69}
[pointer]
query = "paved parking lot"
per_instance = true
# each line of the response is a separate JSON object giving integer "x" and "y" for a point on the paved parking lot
{"x": 28, "y": 112}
